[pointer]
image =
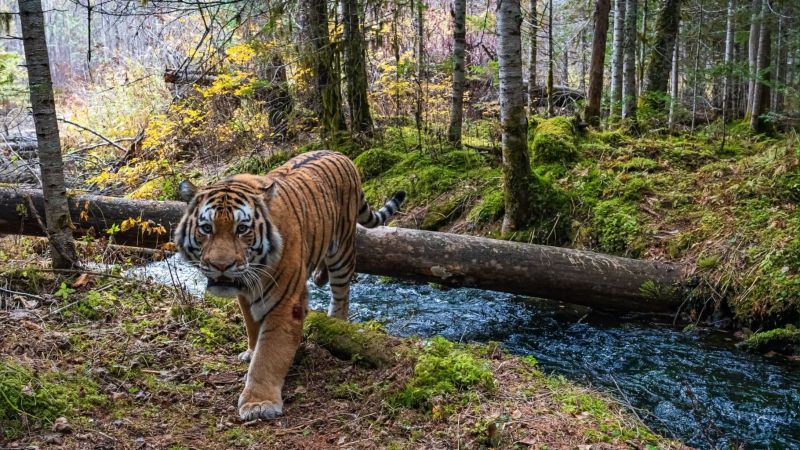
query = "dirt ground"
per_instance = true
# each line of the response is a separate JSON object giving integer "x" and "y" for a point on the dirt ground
{"x": 129, "y": 364}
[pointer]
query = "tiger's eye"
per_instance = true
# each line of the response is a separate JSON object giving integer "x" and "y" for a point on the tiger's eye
{"x": 242, "y": 229}
{"x": 206, "y": 228}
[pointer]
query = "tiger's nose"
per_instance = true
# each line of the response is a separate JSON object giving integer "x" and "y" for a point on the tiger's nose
{"x": 222, "y": 266}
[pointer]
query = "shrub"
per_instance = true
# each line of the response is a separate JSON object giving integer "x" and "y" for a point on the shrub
{"x": 615, "y": 226}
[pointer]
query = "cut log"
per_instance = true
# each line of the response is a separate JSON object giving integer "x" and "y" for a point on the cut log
{"x": 568, "y": 275}
{"x": 176, "y": 76}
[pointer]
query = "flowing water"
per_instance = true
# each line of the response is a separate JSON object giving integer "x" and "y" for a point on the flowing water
{"x": 694, "y": 386}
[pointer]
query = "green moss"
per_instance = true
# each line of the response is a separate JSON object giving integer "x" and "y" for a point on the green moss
{"x": 637, "y": 164}
{"x": 41, "y": 397}
{"x": 445, "y": 209}
{"x": 490, "y": 208}
{"x": 635, "y": 188}
{"x": 554, "y": 141}
{"x": 366, "y": 343}
{"x": 444, "y": 368}
{"x": 616, "y": 227}
{"x": 375, "y": 161}
{"x": 710, "y": 262}
{"x": 780, "y": 339}
{"x": 261, "y": 165}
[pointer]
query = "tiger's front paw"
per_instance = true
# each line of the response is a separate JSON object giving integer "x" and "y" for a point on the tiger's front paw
{"x": 255, "y": 403}
{"x": 246, "y": 355}
{"x": 260, "y": 410}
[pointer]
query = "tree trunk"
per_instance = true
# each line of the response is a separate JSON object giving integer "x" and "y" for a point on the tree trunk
{"x": 564, "y": 274}
{"x": 355, "y": 68}
{"x": 641, "y": 48}
{"x": 726, "y": 91}
{"x": 326, "y": 77}
{"x": 592, "y": 113}
{"x": 777, "y": 101}
{"x": 43, "y": 107}
{"x": 420, "y": 32}
{"x": 761, "y": 91}
{"x": 755, "y": 30}
{"x": 582, "y": 81}
{"x": 674, "y": 98}
{"x": 550, "y": 54}
{"x": 656, "y": 78}
{"x": 459, "y": 71}
{"x": 565, "y": 66}
{"x": 533, "y": 57}
{"x": 617, "y": 56}
{"x": 629, "y": 63}
{"x": 516, "y": 162}
{"x": 697, "y": 43}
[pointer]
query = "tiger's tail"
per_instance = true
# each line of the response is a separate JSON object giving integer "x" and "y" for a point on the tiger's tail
{"x": 371, "y": 219}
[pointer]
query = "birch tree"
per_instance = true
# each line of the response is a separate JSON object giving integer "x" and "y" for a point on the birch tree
{"x": 43, "y": 106}
{"x": 761, "y": 90}
{"x": 459, "y": 71}
{"x": 752, "y": 55}
{"x": 516, "y": 161}
{"x": 534, "y": 49}
{"x": 616, "y": 56}
{"x": 629, "y": 62}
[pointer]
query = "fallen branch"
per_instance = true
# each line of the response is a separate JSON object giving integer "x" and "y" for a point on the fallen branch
{"x": 94, "y": 133}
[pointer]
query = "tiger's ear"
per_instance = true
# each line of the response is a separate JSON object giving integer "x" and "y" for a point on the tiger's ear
{"x": 269, "y": 191}
{"x": 187, "y": 191}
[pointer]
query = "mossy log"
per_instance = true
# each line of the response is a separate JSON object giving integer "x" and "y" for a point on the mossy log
{"x": 365, "y": 343}
{"x": 568, "y": 275}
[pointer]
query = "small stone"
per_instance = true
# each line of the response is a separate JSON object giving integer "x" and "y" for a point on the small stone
{"x": 119, "y": 396}
{"x": 62, "y": 426}
{"x": 53, "y": 438}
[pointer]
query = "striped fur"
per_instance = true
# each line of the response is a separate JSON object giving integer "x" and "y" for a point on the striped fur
{"x": 260, "y": 238}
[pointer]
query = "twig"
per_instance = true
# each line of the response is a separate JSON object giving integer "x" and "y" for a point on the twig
{"x": 94, "y": 133}
{"x": 100, "y": 274}
{"x": 24, "y": 294}
{"x": 35, "y": 214}
{"x": 28, "y": 166}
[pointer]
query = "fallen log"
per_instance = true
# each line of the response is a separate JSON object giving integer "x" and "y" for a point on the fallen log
{"x": 179, "y": 76}
{"x": 568, "y": 275}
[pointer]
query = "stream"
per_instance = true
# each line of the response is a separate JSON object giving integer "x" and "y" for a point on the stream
{"x": 696, "y": 387}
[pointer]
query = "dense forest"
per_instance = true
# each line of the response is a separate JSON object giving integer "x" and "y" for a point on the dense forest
{"x": 663, "y": 132}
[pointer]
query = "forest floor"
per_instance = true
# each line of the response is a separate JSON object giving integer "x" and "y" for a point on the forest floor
{"x": 96, "y": 361}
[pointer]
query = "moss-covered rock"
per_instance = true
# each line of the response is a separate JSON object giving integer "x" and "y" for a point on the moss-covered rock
{"x": 784, "y": 340}
{"x": 490, "y": 208}
{"x": 375, "y": 161}
{"x": 616, "y": 227}
{"x": 445, "y": 209}
{"x": 554, "y": 141}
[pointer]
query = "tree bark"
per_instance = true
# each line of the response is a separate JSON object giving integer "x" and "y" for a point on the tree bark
{"x": 594, "y": 98}
{"x": 459, "y": 71}
{"x": 674, "y": 98}
{"x": 568, "y": 275}
{"x": 420, "y": 32}
{"x": 777, "y": 101}
{"x": 641, "y": 48}
{"x": 629, "y": 63}
{"x": 326, "y": 77}
{"x": 533, "y": 57}
{"x": 550, "y": 54}
{"x": 755, "y": 31}
{"x": 726, "y": 91}
{"x": 582, "y": 81}
{"x": 43, "y": 107}
{"x": 695, "y": 83}
{"x": 565, "y": 66}
{"x": 355, "y": 68}
{"x": 656, "y": 77}
{"x": 516, "y": 161}
{"x": 761, "y": 90}
{"x": 617, "y": 52}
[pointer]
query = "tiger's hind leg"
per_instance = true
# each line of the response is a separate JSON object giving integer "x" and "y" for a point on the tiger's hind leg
{"x": 341, "y": 266}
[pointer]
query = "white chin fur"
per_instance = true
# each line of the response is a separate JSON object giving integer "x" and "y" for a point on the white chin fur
{"x": 223, "y": 291}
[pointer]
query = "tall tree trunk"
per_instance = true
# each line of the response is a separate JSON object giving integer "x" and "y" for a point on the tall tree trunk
{"x": 550, "y": 54}
{"x": 695, "y": 83}
{"x": 43, "y": 107}
{"x": 582, "y": 81}
{"x": 617, "y": 56}
{"x": 533, "y": 57}
{"x": 777, "y": 101}
{"x": 675, "y": 99}
{"x": 641, "y": 48}
{"x": 326, "y": 77}
{"x": 726, "y": 91}
{"x": 420, "y": 32}
{"x": 355, "y": 68}
{"x": 656, "y": 78}
{"x": 516, "y": 162}
{"x": 761, "y": 90}
{"x": 459, "y": 75}
{"x": 593, "y": 100}
{"x": 755, "y": 29}
{"x": 629, "y": 63}
{"x": 565, "y": 66}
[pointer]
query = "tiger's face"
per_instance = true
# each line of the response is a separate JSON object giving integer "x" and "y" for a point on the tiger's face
{"x": 227, "y": 233}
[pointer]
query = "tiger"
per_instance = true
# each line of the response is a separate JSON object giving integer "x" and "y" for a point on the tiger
{"x": 260, "y": 238}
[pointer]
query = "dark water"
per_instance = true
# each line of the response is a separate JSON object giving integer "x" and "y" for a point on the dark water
{"x": 750, "y": 399}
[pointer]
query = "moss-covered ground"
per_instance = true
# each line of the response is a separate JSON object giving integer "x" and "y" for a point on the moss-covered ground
{"x": 132, "y": 365}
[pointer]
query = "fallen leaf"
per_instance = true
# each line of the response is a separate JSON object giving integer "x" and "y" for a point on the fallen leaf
{"x": 516, "y": 414}
{"x": 83, "y": 280}
{"x": 300, "y": 390}
{"x": 528, "y": 441}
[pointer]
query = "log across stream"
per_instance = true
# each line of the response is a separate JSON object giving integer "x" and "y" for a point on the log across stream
{"x": 573, "y": 276}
